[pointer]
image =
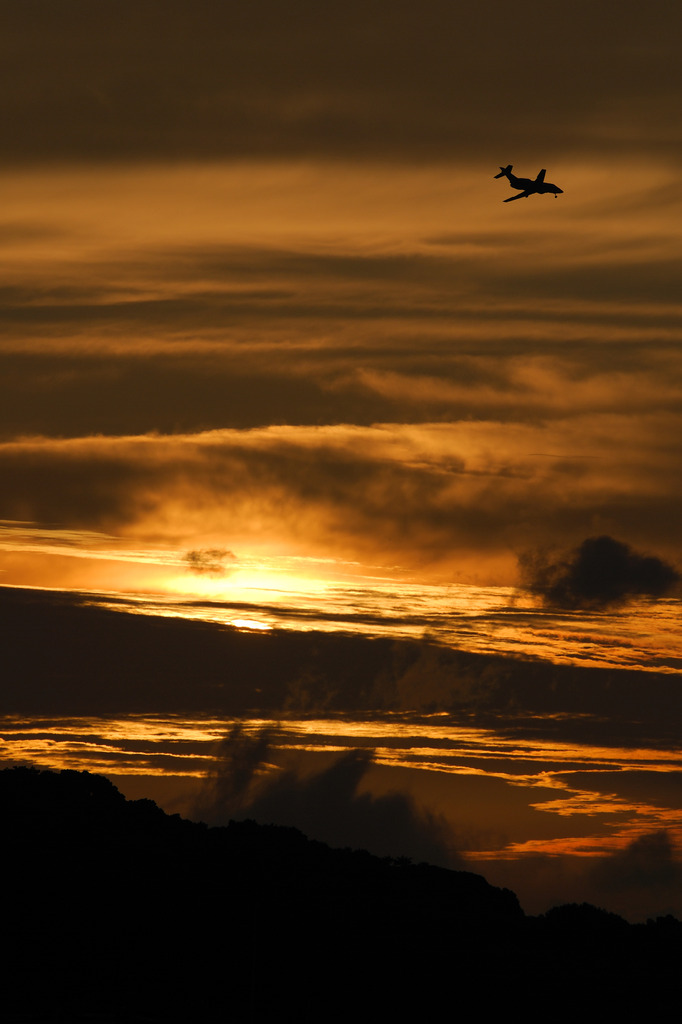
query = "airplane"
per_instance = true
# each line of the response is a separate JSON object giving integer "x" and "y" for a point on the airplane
{"x": 528, "y": 186}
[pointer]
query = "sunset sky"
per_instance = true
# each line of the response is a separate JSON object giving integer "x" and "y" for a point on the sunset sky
{"x": 266, "y": 320}
{"x": 261, "y": 293}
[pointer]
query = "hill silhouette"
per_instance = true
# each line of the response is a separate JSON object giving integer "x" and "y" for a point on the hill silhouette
{"x": 116, "y": 911}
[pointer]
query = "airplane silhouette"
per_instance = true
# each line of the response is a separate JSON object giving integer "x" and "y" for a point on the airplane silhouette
{"x": 528, "y": 186}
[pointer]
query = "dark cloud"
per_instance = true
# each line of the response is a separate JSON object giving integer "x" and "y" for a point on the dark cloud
{"x": 168, "y": 315}
{"x": 326, "y": 805}
{"x": 238, "y": 760}
{"x": 303, "y": 672}
{"x": 600, "y": 573}
{"x": 414, "y": 380}
{"x": 77, "y": 395}
{"x": 642, "y": 281}
{"x": 640, "y": 881}
{"x": 209, "y": 561}
{"x": 643, "y": 880}
{"x": 112, "y": 80}
{"x": 45, "y": 490}
{"x": 648, "y": 863}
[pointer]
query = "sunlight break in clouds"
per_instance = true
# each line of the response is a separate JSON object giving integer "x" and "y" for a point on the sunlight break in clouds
{"x": 433, "y": 497}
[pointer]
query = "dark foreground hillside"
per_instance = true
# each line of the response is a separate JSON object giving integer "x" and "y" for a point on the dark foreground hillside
{"x": 114, "y": 911}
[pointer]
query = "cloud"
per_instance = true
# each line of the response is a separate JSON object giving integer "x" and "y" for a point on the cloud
{"x": 642, "y": 880}
{"x": 648, "y": 863}
{"x": 202, "y": 290}
{"x": 386, "y": 79}
{"x": 447, "y": 495}
{"x": 328, "y": 805}
{"x": 601, "y": 572}
{"x": 209, "y": 561}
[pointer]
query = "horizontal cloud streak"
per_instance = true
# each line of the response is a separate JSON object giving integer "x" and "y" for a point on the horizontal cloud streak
{"x": 188, "y": 392}
{"x": 439, "y": 494}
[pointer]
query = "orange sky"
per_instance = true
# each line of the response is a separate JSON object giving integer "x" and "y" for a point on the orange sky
{"x": 260, "y": 289}
{"x": 261, "y": 300}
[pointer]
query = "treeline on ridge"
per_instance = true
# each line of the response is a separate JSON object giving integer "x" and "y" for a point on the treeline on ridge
{"x": 116, "y": 911}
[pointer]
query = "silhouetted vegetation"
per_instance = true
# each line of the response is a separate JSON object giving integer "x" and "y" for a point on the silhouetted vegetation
{"x": 115, "y": 911}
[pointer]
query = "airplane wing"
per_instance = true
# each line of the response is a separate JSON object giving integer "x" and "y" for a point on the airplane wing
{"x": 521, "y": 195}
{"x": 541, "y": 176}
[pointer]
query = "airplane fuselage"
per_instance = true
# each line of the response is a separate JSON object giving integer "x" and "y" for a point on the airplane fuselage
{"x": 528, "y": 186}
{"x": 525, "y": 184}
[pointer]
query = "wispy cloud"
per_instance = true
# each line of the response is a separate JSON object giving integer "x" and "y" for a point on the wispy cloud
{"x": 209, "y": 561}
{"x": 328, "y": 805}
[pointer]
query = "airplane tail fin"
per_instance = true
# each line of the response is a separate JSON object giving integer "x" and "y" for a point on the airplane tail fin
{"x": 504, "y": 171}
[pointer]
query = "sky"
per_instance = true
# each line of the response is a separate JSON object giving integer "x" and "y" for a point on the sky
{"x": 266, "y": 321}
{"x": 260, "y": 291}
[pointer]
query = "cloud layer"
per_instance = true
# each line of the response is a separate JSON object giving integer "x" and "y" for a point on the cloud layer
{"x": 381, "y": 79}
{"x": 399, "y": 492}
{"x": 353, "y": 361}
